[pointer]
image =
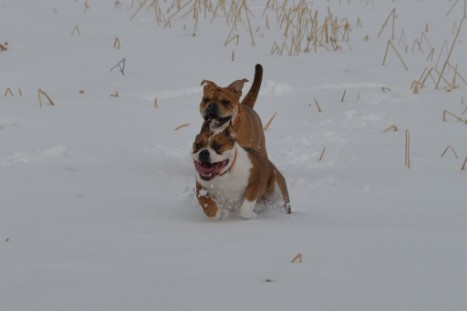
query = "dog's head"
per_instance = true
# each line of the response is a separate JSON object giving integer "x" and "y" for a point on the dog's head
{"x": 220, "y": 105}
{"x": 213, "y": 153}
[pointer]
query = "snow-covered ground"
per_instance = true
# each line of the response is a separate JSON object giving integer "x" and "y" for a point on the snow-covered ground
{"x": 97, "y": 208}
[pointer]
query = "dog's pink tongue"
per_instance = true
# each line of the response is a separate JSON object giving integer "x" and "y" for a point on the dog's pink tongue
{"x": 214, "y": 170}
{"x": 203, "y": 170}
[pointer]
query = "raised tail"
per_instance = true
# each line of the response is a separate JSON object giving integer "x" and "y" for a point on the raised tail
{"x": 250, "y": 97}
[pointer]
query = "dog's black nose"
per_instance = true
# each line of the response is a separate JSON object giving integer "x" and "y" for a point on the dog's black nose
{"x": 212, "y": 109}
{"x": 204, "y": 156}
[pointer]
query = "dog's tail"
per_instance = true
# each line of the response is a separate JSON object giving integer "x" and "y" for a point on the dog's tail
{"x": 250, "y": 97}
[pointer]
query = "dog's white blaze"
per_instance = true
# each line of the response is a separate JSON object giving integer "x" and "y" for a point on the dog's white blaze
{"x": 215, "y": 129}
{"x": 229, "y": 189}
{"x": 215, "y": 157}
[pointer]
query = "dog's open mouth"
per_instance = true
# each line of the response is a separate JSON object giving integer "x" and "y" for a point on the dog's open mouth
{"x": 217, "y": 121}
{"x": 208, "y": 171}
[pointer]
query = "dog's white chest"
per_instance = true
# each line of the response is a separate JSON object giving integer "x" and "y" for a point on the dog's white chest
{"x": 229, "y": 189}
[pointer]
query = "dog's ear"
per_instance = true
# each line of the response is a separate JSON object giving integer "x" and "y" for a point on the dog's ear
{"x": 237, "y": 86}
{"x": 208, "y": 85}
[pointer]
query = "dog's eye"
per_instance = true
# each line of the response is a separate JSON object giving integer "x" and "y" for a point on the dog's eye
{"x": 197, "y": 146}
{"x": 225, "y": 102}
{"x": 216, "y": 146}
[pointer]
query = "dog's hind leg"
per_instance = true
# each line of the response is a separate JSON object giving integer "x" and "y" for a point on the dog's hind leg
{"x": 282, "y": 185}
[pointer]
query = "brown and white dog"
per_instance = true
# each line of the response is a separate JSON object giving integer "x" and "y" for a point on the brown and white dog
{"x": 233, "y": 176}
{"x": 221, "y": 108}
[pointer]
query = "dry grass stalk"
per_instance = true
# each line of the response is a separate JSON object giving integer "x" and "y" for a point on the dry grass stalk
{"x": 452, "y": 7}
{"x": 8, "y": 91}
{"x": 450, "y": 52}
{"x": 75, "y": 31}
{"x": 117, "y": 4}
{"x": 393, "y": 16}
{"x": 424, "y": 38}
{"x": 268, "y": 124}
{"x": 464, "y": 164}
{"x": 454, "y": 76}
{"x": 431, "y": 55}
{"x": 3, "y": 47}
{"x": 321, "y": 156}
{"x": 390, "y": 44}
{"x": 441, "y": 77}
{"x": 20, "y": 92}
{"x": 428, "y": 74}
{"x": 417, "y": 43}
{"x": 456, "y": 73}
{"x": 402, "y": 38}
{"x": 175, "y": 4}
{"x": 422, "y": 75}
{"x": 117, "y": 43}
{"x": 156, "y": 104}
{"x": 160, "y": 18}
{"x": 41, "y": 93}
{"x": 367, "y": 2}
{"x": 358, "y": 24}
{"x": 317, "y": 105}
{"x": 115, "y": 94}
{"x": 385, "y": 89}
{"x": 81, "y": 92}
{"x": 267, "y": 23}
{"x": 233, "y": 55}
{"x": 444, "y": 48}
{"x": 452, "y": 150}
{"x": 343, "y": 96}
{"x": 392, "y": 128}
{"x": 302, "y": 30}
{"x": 416, "y": 87}
{"x": 181, "y": 126}
{"x": 231, "y": 38}
{"x": 86, "y": 6}
{"x": 407, "y": 149}
{"x": 247, "y": 12}
{"x": 447, "y": 113}
{"x": 298, "y": 258}
{"x": 140, "y": 7}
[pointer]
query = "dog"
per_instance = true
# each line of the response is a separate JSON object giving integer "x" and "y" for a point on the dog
{"x": 221, "y": 108}
{"x": 235, "y": 176}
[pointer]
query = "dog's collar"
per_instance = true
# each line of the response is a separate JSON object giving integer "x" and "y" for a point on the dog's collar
{"x": 232, "y": 163}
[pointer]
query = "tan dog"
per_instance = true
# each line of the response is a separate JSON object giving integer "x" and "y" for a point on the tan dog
{"x": 233, "y": 176}
{"x": 221, "y": 108}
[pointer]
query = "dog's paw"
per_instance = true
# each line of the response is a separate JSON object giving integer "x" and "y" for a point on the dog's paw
{"x": 246, "y": 210}
{"x": 215, "y": 216}
{"x": 248, "y": 214}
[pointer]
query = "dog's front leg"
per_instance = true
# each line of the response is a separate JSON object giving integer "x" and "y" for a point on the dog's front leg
{"x": 246, "y": 210}
{"x": 206, "y": 202}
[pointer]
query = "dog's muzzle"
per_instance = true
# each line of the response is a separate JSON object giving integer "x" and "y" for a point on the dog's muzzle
{"x": 212, "y": 116}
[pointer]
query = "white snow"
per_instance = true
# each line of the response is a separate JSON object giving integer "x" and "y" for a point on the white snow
{"x": 97, "y": 207}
